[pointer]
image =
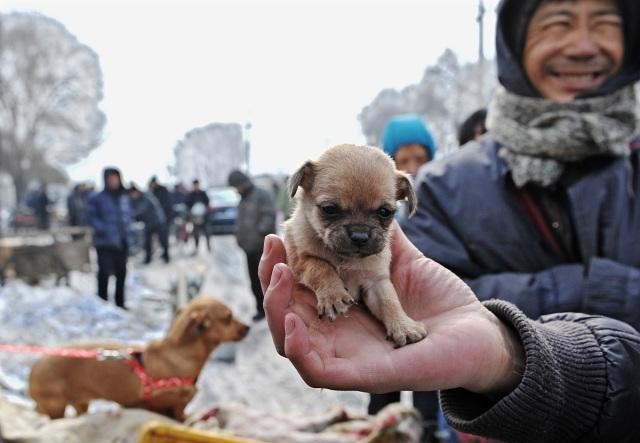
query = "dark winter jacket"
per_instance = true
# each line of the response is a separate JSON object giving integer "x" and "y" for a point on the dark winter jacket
{"x": 470, "y": 220}
{"x": 147, "y": 210}
{"x": 76, "y": 207}
{"x": 582, "y": 377}
{"x": 256, "y": 218}
{"x": 197, "y": 197}
{"x": 581, "y": 383}
{"x": 164, "y": 198}
{"x": 109, "y": 214}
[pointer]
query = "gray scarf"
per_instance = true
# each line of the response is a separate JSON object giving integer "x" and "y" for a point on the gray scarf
{"x": 539, "y": 137}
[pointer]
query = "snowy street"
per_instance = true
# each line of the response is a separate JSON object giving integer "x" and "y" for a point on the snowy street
{"x": 47, "y": 315}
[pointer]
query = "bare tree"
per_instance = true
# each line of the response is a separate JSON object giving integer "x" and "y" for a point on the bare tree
{"x": 447, "y": 93}
{"x": 209, "y": 154}
{"x": 51, "y": 86}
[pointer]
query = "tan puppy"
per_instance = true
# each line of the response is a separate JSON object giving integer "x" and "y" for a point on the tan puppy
{"x": 199, "y": 327}
{"x": 337, "y": 240}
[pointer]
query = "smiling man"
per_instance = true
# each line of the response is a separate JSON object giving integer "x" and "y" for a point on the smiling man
{"x": 554, "y": 189}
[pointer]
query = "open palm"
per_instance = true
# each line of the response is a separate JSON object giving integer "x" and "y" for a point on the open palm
{"x": 467, "y": 346}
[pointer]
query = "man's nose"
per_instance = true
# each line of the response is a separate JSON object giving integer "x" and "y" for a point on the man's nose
{"x": 583, "y": 44}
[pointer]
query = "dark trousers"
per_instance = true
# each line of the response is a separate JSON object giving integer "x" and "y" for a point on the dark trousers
{"x": 253, "y": 261}
{"x": 201, "y": 228}
{"x": 163, "y": 236}
{"x": 112, "y": 261}
{"x": 425, "y": 401}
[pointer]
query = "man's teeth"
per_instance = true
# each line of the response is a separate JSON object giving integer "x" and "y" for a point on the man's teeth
{"x": 578, "y": 77}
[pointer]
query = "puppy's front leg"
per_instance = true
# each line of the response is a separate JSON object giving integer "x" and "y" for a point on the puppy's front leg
{"x": 323, "y": 279}
{"x": 383, "y": 302}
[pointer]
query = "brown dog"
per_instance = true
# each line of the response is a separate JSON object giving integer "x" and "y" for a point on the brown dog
{"x": 199, "y": 327}
{"x": 337, "y": 240}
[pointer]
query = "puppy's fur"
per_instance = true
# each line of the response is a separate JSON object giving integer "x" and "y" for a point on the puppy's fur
{"x": 337, "y": 240}
{"x": 199, "y": 327}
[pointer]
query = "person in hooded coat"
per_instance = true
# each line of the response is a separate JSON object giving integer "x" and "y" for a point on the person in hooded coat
{"x": 255, "y": 220}
{"x": 542, "y": 215}
{"x": 148, "y": 210}
{"x": 109, "y": 214}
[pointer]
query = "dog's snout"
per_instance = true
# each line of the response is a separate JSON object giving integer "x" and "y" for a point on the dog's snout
{"x": 359, "y": 236}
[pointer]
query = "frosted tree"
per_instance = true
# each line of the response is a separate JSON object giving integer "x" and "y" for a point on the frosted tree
{"x": 50, "y": 88}
{"x": 209, "y": 154}
{"x": 447, "y": 93}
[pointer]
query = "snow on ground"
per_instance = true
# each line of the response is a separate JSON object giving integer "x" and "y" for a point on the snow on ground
{"x": 47, "y": 315}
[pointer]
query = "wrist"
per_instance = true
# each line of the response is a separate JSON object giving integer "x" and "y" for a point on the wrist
{"x": 505, "y": 363}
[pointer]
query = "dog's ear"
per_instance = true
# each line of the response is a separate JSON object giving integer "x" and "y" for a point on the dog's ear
{"x": 303, "y": 177}
{"x": 405, "y": 190}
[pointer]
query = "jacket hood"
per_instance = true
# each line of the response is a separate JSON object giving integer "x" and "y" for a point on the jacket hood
{"x": 513, "y": 19}
{"x": 112, "y": 171}
{"x": 239, "y": 178}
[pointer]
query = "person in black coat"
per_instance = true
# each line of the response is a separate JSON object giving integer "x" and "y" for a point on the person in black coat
{"x": 147, "y": 210}
{"x": 198, "y": 205}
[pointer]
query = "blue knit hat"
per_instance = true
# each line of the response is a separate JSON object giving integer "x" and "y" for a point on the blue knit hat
{"x": 407, "y": 130}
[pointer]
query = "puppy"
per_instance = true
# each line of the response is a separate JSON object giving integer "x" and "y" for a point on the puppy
{"x": 198, "y": 328}
{"x": 337, "y": 240}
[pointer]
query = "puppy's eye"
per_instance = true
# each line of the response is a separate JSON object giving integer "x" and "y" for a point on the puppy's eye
{"x": 385, "y": 213}
{"x": 331, "y": 210}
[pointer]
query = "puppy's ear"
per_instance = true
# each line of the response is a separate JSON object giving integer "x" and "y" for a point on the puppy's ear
{"x": 303, "y": 177}
{"x": 405, "y": 190}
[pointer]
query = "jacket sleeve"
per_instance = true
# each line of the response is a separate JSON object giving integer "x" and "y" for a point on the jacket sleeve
{"x": 557, "y": 289}
{"x": 581, "y": 383}
{"x": 93, "y": 218}
{"x": 267, "y": 211}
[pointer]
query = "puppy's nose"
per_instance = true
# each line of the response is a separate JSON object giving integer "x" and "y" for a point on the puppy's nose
{"x": 359, "y": 237}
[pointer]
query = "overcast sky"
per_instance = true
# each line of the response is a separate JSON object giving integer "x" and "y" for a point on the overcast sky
{"x": 299, "y": 71}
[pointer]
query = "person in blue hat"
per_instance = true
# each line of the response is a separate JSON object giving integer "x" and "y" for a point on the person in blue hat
{"x": 409, "y": 143}
{"x": 407, "y": 140}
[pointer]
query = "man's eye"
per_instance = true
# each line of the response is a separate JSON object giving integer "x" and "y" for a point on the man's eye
{"x": 385, "y": 213}
{"x": 331, "y": 210}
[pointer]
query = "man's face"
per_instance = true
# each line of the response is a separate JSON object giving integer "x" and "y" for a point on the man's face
{"x": 572, "y": 47}
{"x": 113, "y": 182}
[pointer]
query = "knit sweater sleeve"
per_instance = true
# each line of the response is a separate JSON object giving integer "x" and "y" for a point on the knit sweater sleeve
{"x": 581, "y": 383}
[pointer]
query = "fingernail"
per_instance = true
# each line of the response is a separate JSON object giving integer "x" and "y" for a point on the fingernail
{"x": 289, "y": 325}
{"x": 276, "y": 274}
{"x": 267, "y": 245}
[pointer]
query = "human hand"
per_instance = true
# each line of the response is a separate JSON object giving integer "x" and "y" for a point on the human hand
{"x": 467, "y": 346}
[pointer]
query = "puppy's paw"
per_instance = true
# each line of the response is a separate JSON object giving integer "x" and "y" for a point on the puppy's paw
{"x": 405, "y": 331}
{"x": 332, "y": 304}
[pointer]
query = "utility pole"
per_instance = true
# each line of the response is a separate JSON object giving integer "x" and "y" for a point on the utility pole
{"x": 481, "y": 59}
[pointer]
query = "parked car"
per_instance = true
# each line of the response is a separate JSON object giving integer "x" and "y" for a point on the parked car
{"x": 223, "y": 211}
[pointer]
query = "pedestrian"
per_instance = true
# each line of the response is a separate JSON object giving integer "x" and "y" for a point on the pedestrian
{"x": 544, "y": 210}
{"x": 76, "y": 205}
{"x": 109, "y": 214}
{"x": 564, "y": 378}
{"x": 256, "y": 219}
{"x": 40, "y": 204}
{"x": 408, "y": 141}
{"x": 473, "y": 127}
{"x": 147, "y": 209}
{"x": 164, "y": 198}
{"x": 198, "y": 205}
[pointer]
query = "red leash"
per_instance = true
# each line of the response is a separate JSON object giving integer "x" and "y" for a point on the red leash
{"x": 149, "y": 385}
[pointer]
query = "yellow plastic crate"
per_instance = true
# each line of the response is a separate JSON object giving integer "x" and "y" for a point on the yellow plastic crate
{"x": 156, "y": 432}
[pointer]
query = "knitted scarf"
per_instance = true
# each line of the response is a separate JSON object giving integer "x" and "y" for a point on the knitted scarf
{"x": 539, "y": 137}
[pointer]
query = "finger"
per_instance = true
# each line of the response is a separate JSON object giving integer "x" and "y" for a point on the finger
{"x": 298, "y": 350}
{"x": 277, "y": 298}
{"x": 273, "y": 253}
